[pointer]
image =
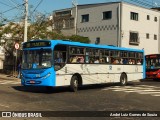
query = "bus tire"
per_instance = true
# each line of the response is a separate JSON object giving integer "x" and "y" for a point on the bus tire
{"x": 74, "y": 84}
{"x": 123, "y": 79}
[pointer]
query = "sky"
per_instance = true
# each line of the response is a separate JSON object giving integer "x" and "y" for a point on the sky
{"x": 13, "y": 9}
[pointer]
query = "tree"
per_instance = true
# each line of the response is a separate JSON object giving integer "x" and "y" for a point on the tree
{"x": 42, "y": 29}
{"x": 14, "y": 32}
{"x": 78, "y": 38}
{"x": 9, "y": 35}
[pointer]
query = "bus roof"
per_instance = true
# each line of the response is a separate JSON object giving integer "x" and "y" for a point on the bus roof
{"x": 67, "y": 42}
{"x": 152, "y": 54}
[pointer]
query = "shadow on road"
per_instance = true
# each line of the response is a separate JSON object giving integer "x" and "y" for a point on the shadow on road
{"x": 39, "y": 89}
{"x": 150, "y": 80}
{"x": 50, "y": 90}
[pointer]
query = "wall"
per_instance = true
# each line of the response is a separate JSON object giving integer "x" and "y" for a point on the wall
{"x": 97, "y": 27}
{"x": 142, "y": 26}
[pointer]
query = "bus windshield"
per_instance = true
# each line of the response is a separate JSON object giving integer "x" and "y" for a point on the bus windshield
{"x": 35, "y": 59}
{"x": 153, "y": 62}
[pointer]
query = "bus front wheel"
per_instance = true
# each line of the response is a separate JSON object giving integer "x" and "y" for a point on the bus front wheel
{"x": 123, "y": 79}
{"x": 74, "y": 83}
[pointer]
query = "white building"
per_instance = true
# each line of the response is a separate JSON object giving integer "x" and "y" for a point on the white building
{"x": 117, "y": 23}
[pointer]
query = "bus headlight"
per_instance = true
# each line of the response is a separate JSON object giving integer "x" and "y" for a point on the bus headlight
{"x": 46, "y": 76}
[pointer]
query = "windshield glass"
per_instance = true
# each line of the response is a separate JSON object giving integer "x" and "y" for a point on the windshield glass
{"x": 34, "y": 59}
{"x": 153, "y": 62}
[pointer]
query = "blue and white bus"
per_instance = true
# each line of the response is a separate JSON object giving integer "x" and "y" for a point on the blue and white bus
{"x": 54, "y": 63}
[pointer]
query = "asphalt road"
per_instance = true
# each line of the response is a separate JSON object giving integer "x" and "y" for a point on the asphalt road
{"x": 136, "y": 96}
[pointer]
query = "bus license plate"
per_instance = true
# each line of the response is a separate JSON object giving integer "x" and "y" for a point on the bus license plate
{"x": 32, "y": 81}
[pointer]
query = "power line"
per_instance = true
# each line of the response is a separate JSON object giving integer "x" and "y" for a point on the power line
{"x": 36, "y": 7}
{"x": 143, "y": 3}
{"x": 5, "y": 4}
{"x": 12, "y": 8}
{"x": 15, "y": 2}
{"x": 17, "y": 6}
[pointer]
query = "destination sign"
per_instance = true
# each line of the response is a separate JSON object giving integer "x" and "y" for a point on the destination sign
{"x": 37, "y": 44}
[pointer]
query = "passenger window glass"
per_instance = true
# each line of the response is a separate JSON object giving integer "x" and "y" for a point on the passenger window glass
{"x": 76, "y": 50}
{"x": 139, "y": 58}
{"x": 115, "y": 57}
{"x": 77, "y": 55}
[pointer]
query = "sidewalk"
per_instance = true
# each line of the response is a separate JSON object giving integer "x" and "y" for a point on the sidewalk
{"x": 7, "y": 77}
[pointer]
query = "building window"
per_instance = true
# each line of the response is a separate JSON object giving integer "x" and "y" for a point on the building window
{"x": 155, "y": 19}
{"x": 148, "y": 17}
{"x": 147, "y": 35}
{"x": 134, "y": 38}
{"x": 134, "y": 16}
{"x": 97, "y": 40}
{"x": 85, "y": 18}
{"x": 155, "y": 37}
{"x": 107, "y": 15}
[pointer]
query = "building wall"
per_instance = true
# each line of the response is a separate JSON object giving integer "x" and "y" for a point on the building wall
{"x": 116, "y": 31}
{"x": 142, "y": 26}
{"x": 68, "y": 32}
{"x": 64, "y": 20}
{"x": 96, "y": 27}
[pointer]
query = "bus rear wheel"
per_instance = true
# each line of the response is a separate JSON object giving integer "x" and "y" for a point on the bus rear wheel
{"x": 74, "y": 84}
{"x": 123, "y": 79}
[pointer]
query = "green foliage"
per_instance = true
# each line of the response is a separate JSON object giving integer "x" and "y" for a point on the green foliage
{"x": 9, "y": 35}
{"x": 14, "y": 32}
{"x": 78, "y": 38}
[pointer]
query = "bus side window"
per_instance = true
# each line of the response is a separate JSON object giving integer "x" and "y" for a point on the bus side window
{"x": 138, "y": 62}
{"x": 114, "y": 61}
{"x": 107, "y": 59}
{"x": 96, "y": 60}
{"x": 72, "y": 50}
{"x": 87, "y": 57}
{"x": 73, "y": 59}
{"x": 125, "y": 61}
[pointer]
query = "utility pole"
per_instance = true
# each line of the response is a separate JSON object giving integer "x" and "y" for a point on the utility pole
{"x": 75, "y": 4}
{"x": 26, "y": 20}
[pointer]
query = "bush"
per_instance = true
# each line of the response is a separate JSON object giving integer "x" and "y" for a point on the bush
{"x": 78, "y": 38}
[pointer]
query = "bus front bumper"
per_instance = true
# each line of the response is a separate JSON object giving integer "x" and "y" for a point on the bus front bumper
{"x": 46, "y": 81}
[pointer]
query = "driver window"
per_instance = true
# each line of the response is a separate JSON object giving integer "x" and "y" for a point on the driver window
{"x": 59, "y": 56}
